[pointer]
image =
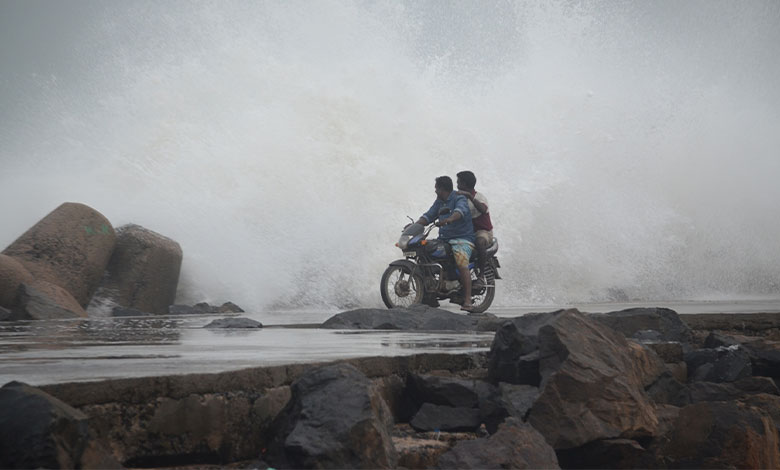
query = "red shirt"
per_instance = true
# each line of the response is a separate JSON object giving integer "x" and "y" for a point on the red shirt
{"x": 479, "y": 220}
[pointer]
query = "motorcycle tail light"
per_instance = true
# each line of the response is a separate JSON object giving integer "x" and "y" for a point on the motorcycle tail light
{"x": 424, "y": 242}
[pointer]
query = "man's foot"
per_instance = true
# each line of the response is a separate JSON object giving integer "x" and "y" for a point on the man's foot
{"x": 467, "y": 308}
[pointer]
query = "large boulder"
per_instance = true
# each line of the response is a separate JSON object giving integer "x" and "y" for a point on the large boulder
{"x": 514, "y": 353}
{"x": 69, "y": 248}
{"x": 636, "y": 322}
{"x": 515, "y": 445}
{"x": 12, "y": 275}
{"x": 143, "y": 272}
{"x": 39, "y": 431}
{"x": 593, "y": 383}
{"x": 41, "y": 300}
{"x": 335, "y": 419}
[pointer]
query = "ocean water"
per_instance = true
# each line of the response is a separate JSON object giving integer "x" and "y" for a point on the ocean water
{"x": 629, "y": 149}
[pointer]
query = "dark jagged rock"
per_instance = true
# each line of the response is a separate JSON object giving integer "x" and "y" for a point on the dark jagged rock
{"x": 70, "y": 248}
{"x": 593, "y": 383}
{"x": 335, "y": 419}
{"x": 764, "y": 357}
{"x": 638, "y": 322}
{"x": 448, "y": 391}
{"x": 39, "y": 431}
{"x": 716, "y": 340}
{"x": 514, "y": 356}
{"x": 417, "y": 317}
{"x": 698, "y": 392}
{"x": 723, "y": 364}
{"x": 234, "y": 323}
{"x": 515, "y": 445}
{"x": 716, "y": 435}
{"x": 432, "y": 417}
{"x": 606, "y": 453}
{"x": 506, "y": 400}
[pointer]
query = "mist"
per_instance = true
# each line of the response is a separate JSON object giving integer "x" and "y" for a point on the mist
{"x": 629, "y": 150}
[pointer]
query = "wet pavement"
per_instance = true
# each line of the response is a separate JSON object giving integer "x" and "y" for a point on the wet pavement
{"x": 46, "y": 352}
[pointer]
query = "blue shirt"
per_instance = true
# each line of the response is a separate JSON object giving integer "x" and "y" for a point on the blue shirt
{"x": 462, "y": 227}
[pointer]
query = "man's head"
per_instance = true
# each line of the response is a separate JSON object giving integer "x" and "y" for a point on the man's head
{"x": 443, "y": 187}
{"x": 466, "y": 181}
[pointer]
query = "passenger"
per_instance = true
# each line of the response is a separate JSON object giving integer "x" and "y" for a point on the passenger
{"x": 480, "y": 217}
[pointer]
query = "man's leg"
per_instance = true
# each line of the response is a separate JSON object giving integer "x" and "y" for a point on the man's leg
{"x": 484, "y": 238}
{"x": 461, "y": 251}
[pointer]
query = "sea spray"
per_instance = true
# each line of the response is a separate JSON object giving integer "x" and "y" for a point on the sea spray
{"x": 628, "y": 149}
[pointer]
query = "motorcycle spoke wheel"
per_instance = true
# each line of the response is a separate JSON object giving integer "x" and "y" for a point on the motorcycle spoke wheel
{"x": 399, "y": 288}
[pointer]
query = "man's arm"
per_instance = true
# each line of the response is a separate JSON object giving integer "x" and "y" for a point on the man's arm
{"x": 478, "y": 204}
{"x": 431, "y": 214}
{"x": 454, "y": 217}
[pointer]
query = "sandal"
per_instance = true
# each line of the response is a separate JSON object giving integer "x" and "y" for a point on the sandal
{"x": 469, "y": 308}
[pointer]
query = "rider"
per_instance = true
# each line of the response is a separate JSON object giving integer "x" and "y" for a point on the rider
{"x": 480, "y": 217}
{"x": 455, "y": 228}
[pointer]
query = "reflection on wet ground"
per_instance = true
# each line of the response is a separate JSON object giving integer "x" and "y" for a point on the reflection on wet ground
{"x": 46, "y": 352}
{"x": 78, "y": 350}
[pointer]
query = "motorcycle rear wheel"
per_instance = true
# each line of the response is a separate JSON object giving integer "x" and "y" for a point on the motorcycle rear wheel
{"x": 482, "y": 301}
{"x": 400, "y": 288}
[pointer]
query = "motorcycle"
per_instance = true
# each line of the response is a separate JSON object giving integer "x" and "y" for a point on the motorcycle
{"x": 428, "y": 273}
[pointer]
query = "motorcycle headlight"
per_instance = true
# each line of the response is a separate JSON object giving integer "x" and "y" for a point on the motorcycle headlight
{"x": 403, "y": 242}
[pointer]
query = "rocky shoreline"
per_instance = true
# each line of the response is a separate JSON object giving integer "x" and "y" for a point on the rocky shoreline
{"x": 639, "y": 388}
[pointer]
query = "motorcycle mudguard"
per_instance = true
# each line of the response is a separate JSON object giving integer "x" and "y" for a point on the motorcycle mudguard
{"x": 405, "y": 263}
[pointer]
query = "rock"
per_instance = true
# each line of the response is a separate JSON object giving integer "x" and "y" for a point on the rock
{"x": 513, "y": 356}
{"x": 44, "y": 301}
{"x": 129, "y": 312}
{"x": 179, "y": 309}
{"x": 715, "y": 340}
{"x": 515, "y": 445}
{"x": 234, "y": 323}
{"x": 448, "y": 391}
{"x": 508, "y": 400}
{"x": 432, "y": 417}
{"x": 698, "y": 392}
{"x": 606, "y": 453}
{"x": 12, "y": 274}
{"x": 417, "y": 317}
{"x": 722, "y": 364}
{"x": 143, "y": 272}
{"x": 633, "y": 321}
{"x": 39, "y": 431}
{"x": 593, "y": 383}
{"x": 335, "y": 419}
{"x": 717, "y": 435}
{"x": 764, "y": 357}
{"x": 229, "y": 307}
{"x": 669, "y": 352}
{"x": 70, "y": 248}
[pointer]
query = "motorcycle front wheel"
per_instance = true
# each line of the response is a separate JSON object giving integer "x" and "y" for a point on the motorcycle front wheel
{"x": 400, "y": 288}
